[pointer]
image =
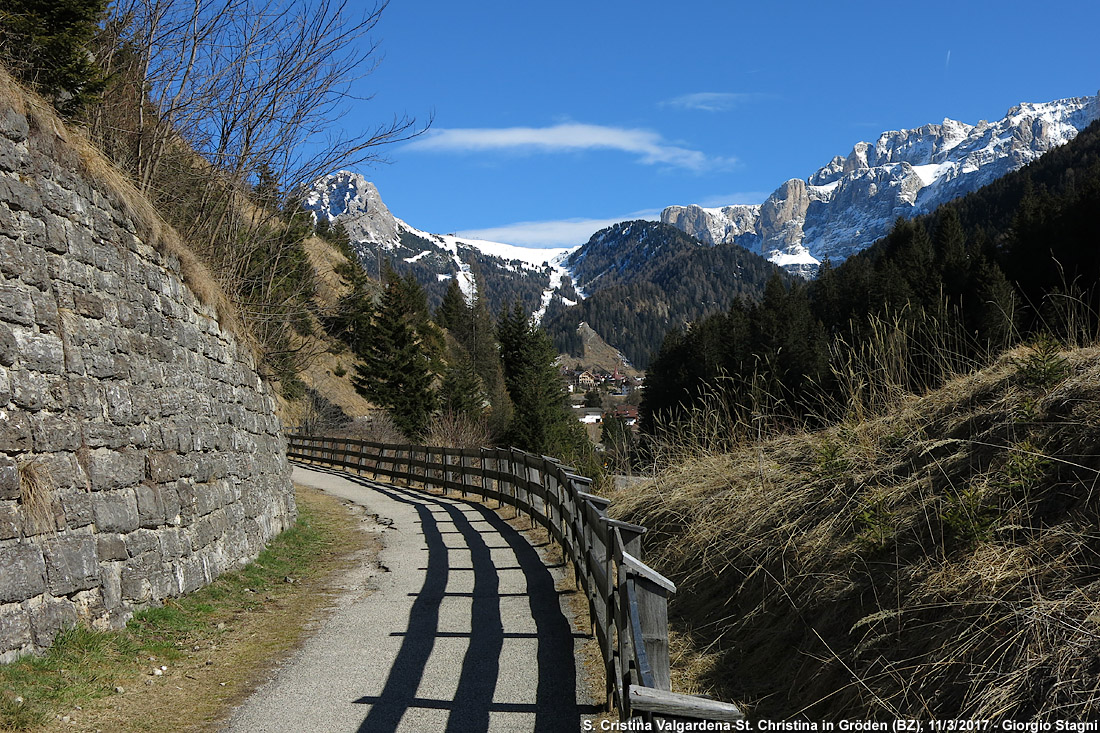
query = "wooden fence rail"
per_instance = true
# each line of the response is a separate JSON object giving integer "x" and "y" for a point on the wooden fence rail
{"x": 627, "y": 600}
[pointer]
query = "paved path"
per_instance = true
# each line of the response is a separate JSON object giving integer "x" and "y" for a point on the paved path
{"x": 465, "y": 632}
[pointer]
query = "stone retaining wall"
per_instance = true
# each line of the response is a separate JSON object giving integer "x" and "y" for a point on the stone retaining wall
{"x": 140, "y": 454}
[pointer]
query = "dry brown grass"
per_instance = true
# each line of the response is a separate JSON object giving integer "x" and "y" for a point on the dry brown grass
{"x": 36, "y": 487}
{"x": 941, "y": 559}
{"x": 70, "y": 146}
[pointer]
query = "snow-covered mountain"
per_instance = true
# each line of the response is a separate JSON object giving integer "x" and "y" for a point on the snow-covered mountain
{"x": 507, "y": 272}
{"x": 852, "y": 201}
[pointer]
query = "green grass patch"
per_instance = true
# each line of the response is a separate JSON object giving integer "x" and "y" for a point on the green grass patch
{"x": 83, "y": 664}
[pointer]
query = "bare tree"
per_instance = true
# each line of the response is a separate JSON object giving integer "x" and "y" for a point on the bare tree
{"x": 229, "y": 110}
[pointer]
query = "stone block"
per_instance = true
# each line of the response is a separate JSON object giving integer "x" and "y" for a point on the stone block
{"x": 9, "y": 349}
{"x": 110, "y": 546}
{"x": 15, "y": 431}
{"x": 163, "y": 582}
{"x": 48, "y": 617}
{"x": 71, "y": 564}
{"x": 36, "y": 271}
{"x": 202, "y": 467}
{"x": 40, "y": 352}
{"x": 171, "y": 402}
{"x": 64, "y": 470}
{"x": 76, "y": 506}
{"x": 28, "y": 389}
{"x": 177, "y": 437}
{"x": 54, "y": 433}
{"x": 208, "y": 529}
{"x": 185, "y": 490}
{"x": 88, "y": 305}
{"x": 170, "y": 497}
{"x": 110, "y": 469}
{"x": 194, "y": 573}
{"x": 208, "y": 497}
{"x": 11, "y": 156}
{"x": 15, "y": 631}
{"x": 91, "y": 609}
{"x": 45, "y": 311}
{"x": 119, "y": 407}
{"x": 173, "y": 543}
{"x": 103, "y": 365}
{"x": 104, "y": 435}
{"x": 12, "y": 258}
{"x": 150, "y": 505}
{"x": 140, "y": 542}
{"x": 115, "y": 511}
{"x": 9, "y": 478}
{"x": 165, "y": 466}
{"x": 10, "y": 521}
{"x": 24, "y": 573}
{"x": 144, "y": 437}
{"x": 136, "y": 584}
{"x": 13, "y": 125}
{"x": 110, "y": 574}
{"x": 19, "y": 196}
{"x": 16, "y": 305}
{"x": 57, "y": 234}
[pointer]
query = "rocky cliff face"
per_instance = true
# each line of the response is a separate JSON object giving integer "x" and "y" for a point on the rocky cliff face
{"x": 852, "y": 201}
{"x": 356, "y": 201}
{"x": 140, "y": 455}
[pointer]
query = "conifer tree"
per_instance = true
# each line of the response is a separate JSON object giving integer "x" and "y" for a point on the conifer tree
{"x": 400, "y": 351}
{"x": 996, "y": 305}
{"x": 949, "y": 242}
{"x": 541, "y": 423}
{"x": 452, "y": 312}
{"x": 46, "y": 43}
{"x": 462, "y": 392}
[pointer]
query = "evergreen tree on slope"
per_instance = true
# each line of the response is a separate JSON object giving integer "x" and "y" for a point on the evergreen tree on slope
{"x": 400, "y": 352}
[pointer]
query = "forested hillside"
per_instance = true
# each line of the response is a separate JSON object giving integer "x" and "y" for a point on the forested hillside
{"x": 940, "y": 293}
{"x": 644, "y": 278}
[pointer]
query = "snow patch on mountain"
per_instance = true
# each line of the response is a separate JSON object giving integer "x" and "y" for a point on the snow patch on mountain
{"x": 352, "y": 200}
{"x": 852, "y": 201}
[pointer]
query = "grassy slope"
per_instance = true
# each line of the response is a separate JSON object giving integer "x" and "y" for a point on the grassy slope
{"x": 331, "y": 367}
{"x": 941, "y": 560}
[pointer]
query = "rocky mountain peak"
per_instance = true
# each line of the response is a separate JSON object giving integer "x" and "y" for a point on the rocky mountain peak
{"x": 356, "y": 202}
{"x": 853, "y": 200}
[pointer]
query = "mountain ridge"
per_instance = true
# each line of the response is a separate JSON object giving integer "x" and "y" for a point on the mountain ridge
{"x": 507, "y": 273}
{"x": 853, "y": 200}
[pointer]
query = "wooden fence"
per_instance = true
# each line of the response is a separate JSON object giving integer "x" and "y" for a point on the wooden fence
{"x": 627, "y": 600}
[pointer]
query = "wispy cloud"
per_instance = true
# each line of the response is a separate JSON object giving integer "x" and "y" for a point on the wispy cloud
{"x": 650, "y": 147}
{"x": 710, "y": 101}
{"x": 947, "y": 61}
{"x": 555, "y": 233}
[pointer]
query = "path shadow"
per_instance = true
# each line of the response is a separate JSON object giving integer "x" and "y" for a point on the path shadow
{"x": 555, "y": 707}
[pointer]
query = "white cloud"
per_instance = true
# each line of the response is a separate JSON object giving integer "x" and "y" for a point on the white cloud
{"x": 709, "y": 101}
{"x": 650, "y": 147}
{"x": 557, "y": 233}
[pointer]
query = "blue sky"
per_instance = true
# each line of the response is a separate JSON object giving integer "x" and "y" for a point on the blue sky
{"x": 553, "y": 119}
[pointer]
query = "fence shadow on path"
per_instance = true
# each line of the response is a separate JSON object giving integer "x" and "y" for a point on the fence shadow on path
{"x": 555, "y": 707}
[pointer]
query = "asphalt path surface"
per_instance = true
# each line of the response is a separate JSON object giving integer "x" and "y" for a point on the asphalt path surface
{"x": 464, "y": 630}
